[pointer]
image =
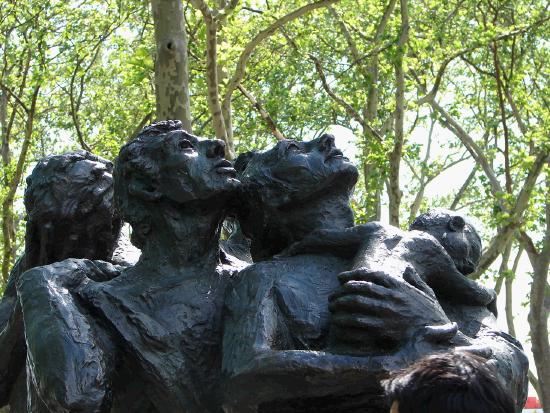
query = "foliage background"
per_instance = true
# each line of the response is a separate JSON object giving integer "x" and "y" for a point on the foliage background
{"x": 444, "y": 103}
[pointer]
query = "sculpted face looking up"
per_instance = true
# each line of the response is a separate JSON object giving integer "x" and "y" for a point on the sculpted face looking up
{"x": 166, "y": 164}
{"x": 293, "y": 172}
{"x": 292, "y": 189}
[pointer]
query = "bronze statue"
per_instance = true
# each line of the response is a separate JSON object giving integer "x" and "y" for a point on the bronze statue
{"x": 149, "y": 339}
{"x": 328, "y": 309}
{"x": 324, "y": 313}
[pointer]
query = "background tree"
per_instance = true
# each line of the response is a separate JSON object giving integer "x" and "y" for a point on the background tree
{"x": 428, "y": 89}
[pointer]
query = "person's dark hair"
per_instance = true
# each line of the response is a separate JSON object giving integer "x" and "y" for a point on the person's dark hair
{"x": 448, "y": 383}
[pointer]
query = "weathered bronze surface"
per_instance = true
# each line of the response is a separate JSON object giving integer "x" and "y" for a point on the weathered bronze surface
{"x": 323, "y": 313}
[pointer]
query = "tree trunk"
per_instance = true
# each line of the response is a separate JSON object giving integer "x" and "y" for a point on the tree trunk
{"x": 171, "y": 65}
{"x": 8, "y": 223}
{"x": 395, "y": 192}
{"x": 214, "y": 103}
{"x": 538, "y": 316}
{"x": 538, "y": 322}
{"x": 5, "y": 150}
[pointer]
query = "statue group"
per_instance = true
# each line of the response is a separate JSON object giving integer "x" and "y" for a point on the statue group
{"x": 300, "y": 312}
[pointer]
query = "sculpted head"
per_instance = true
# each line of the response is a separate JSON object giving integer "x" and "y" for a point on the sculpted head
{"x": 459, "y": 238}
{"x": 286, "y": 188}
{"x": 165, "y": 164}
{"x": 294, "y": 171}
{"x": 70, "y": 211}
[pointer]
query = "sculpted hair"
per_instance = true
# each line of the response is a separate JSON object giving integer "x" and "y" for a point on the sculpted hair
{"x": 449, "y": 383}
{"x": 68, "y": 193}
{"x": 255, "y": 171}
{"x": 439, "y": 217}
{"x": 136, "y": 170}
{"x": 51, "y": 196}
{"x": 443, "y": 218}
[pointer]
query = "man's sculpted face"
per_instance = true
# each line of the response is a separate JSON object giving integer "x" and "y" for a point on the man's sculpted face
{"x": 297, "y": 170}
{"x": 194, "y": 169}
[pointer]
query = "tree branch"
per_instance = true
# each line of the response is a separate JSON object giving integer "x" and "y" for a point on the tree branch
{"x": 263, "y": 113}
{"x": 240, "y": 69}
{"x": 515, "y": 214}
{"x": 14, "y": 95}
{"x": 476, "y": 152}
{"x": 463, "y": 189}
{"x": 517, "y": 31}
{"x": 348, "y": 108}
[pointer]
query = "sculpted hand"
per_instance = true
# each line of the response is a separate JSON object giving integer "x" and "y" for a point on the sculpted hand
{"x": 373, "y": 310}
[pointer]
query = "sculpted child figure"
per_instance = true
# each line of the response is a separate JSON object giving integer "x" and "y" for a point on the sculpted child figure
{"x": 441, "y": 249}
{"x": 327, "y": 310}
{"x": 148, "y": 340}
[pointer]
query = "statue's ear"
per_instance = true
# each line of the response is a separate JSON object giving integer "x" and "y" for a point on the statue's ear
{"x": 243, "y": 159}
{"x": 146, "y": 192}
{"x": 456, "y": 223}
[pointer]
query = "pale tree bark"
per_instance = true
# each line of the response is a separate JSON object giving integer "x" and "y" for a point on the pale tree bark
{"x": 395, "y": 193}
{"x": 213, "y": 18}
{"x": 538, "y": 312}
{"x": 214, "y": 102}
{"x": 508, "y": 283}
{"x": 171, "y": 63}
{"x": 503, "y": 269}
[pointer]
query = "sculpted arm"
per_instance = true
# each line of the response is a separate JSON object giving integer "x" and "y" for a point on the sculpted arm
{"x": 12, "y": 341}
{"x": 439, "y": 271}
{"x": 69, "y": 358}
{"x": 261, "y": 365}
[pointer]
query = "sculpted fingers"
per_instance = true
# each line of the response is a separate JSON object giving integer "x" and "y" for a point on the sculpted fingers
{"x": 412, "y": 277}
{"x": 440, "y": 333}
{"x": 479, "y": 350}
{"x": 365, "y": 288}
{"x": 360, "y": 304}
{"x": 362, "y": 274}
{"x": 357, "y": 321}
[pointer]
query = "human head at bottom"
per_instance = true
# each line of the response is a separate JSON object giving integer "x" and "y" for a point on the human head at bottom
{"x": 447, "y": 383}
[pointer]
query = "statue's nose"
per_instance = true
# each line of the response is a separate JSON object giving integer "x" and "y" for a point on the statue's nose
{"x": 215, "y": 148}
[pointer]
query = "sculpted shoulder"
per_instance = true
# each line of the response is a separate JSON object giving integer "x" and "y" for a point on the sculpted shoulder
{"x": 70, "y": 272}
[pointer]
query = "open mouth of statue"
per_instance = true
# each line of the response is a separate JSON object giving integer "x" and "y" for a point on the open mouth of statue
{"x": 335, "y": 154}
{"x": 225, "y": 167}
